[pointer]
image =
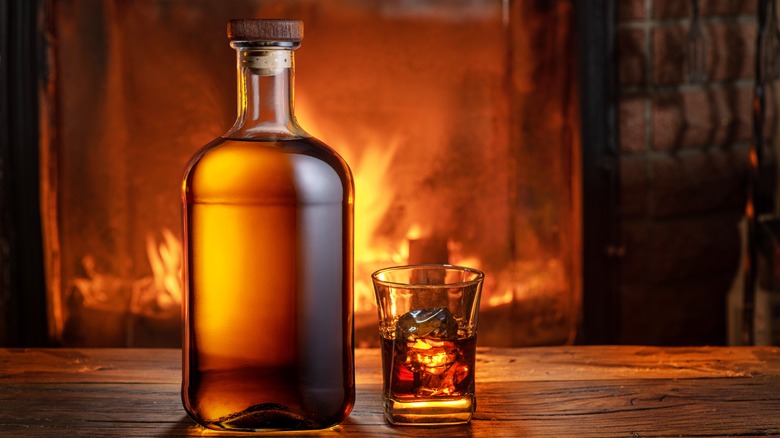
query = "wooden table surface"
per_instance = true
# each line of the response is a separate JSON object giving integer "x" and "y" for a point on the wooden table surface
{"x": 546, "y": 391}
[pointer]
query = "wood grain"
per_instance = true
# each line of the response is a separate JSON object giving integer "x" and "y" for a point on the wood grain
{"x": 547, "y": 391}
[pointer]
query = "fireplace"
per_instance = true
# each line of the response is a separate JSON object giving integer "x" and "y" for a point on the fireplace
{"x": 461, "y": 121}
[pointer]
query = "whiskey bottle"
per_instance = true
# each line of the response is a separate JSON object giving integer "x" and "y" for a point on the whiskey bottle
{"x": 268, "y": 250}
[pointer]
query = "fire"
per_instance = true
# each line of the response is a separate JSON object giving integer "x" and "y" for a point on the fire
{"x": 162, "y": 291}
{"x": 165, "y": 260}
{"x": 371, "y": 171}
{"x": 157, "y": 295}
{"x": 370, "y": 157}
{"x": 371, "y": 163}
{"x": 96, "y": 288}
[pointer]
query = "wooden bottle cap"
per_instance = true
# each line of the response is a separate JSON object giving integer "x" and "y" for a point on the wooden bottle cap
{"x": 265, "y": 30}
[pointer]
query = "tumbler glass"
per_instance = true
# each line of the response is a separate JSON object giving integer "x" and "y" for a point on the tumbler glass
{"x": 428, "y": 328}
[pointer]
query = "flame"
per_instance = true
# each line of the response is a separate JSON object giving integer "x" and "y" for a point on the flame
{"x": 157, "y": 295}
{"x": 96, "y": 288}
{"x": 370, "y": 158}
{"x": 371, "y": 164}
{"x": 160, "y": 293}
{"x": 369, "y": 174}
{"x": 165, "y": 260}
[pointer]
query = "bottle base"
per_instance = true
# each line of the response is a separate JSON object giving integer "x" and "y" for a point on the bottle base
{"x": 268, "y": 417}
{"x": 430, "y": 412}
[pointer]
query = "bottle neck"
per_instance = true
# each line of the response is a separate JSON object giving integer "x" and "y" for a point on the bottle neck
{"x": 265, "y": 92}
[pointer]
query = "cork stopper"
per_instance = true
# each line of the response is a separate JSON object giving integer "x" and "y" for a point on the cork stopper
{"x": 268, "y": 30}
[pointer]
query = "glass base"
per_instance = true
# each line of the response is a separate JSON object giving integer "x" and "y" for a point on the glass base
{"x": 430, "y": 412}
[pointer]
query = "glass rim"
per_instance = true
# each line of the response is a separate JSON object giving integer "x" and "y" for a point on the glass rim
{"x": 480, "y": 276}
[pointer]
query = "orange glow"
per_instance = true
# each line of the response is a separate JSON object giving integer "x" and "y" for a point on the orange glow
{"x": 462, "y": 137}
{"x": 160, "y": 293}
{"x": 373, "y": 196}
{"x": 165, "y": 260}
{"x": 452, "y": 404}
{"x": 753, "y": 158}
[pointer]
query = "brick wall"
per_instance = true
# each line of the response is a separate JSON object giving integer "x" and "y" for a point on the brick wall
{"x": 684, "y": 160}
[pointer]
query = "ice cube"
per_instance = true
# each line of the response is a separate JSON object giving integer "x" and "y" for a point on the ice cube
{"x": 425, "y": 346}
{"x": 436, "y": 324}
{"x": 430, "y": 356}
{"x": 444, "y": 384}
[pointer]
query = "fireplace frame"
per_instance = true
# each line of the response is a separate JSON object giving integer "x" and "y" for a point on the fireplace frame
{"x": 602, "y": 241}
{"x": 23, "y": 314}
{"x": 22, "y": 280}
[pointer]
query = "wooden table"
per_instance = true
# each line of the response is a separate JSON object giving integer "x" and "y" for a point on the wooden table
{"x": 552, "y": 391}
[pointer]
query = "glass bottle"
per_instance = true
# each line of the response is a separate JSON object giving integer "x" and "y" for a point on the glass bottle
{"x": 268, "y": 246}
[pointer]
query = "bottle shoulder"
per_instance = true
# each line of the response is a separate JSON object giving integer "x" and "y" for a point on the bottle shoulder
{"x": 298, "y": 170}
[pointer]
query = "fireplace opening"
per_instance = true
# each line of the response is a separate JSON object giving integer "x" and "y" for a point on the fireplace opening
{"x": 460, "y": 121}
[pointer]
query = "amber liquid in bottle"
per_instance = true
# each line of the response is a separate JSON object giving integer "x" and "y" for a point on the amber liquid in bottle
{"x": 270, "y": 348}
{"x": 268, "y": 275}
